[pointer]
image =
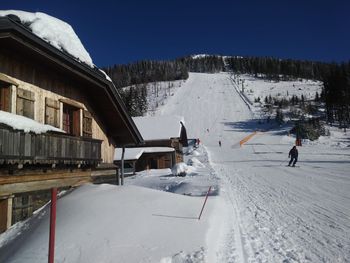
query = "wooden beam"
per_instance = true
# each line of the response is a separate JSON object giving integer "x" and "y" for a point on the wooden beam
{"x": 5, "y": 213}
{"x": 10, "y": 179}
{"x": 29, "y": 183}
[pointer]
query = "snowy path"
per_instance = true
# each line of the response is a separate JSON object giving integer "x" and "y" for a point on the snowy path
{"x": 268, "y": 212}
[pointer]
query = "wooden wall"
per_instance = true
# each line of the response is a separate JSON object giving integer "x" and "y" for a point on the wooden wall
{"x": 162, "y": 160}
{"x": 174, "y": 143}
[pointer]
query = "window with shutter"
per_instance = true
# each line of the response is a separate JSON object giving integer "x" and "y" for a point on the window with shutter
{"x": 5, "y": 98}
{"x": 87, "y": 124}
{"x": 71, "y": 120}
{"x": 52, "y": 112}
{"x": 25, "y": 103}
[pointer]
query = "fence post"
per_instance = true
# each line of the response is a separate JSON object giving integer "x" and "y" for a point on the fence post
{"x": 205, "y": 201}
{"x": 52, "y": 225}
{"x": 122, "y": 168}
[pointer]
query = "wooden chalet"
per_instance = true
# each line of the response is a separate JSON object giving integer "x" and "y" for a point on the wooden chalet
{"x": 52, "y": 87}
{"x": 164, "y": 139}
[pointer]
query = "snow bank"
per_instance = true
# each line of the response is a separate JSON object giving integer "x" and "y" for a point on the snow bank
{"x": 195, "y": 162}
{"x": 18, "y": 122}
{"x": 180, "y": 169}
{"x": 106, "y": 223}
{"x": 198, "y": 256}
{"x": 54, "y": 31}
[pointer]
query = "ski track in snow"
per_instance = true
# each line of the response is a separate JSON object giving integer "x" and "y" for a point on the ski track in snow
{"x": 270, "y": 213}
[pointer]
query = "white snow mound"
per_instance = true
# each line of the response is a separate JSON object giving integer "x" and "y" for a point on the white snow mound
{"x": 18, "y": 122}
{"x": 54, "y": 31}
{"x": 180, "y": 169}
{"x": 195, "y": 162}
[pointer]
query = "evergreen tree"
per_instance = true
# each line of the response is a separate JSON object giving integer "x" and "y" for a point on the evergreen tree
{"x": 279, "y": 116}
{"x": 337, "y": 94}
{"x": 317, "y": 97}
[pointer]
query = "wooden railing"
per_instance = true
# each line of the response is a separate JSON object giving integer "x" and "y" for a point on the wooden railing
{"x": 29, "y": 148}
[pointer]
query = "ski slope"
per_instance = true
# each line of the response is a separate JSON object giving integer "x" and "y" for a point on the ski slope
{"x": 268, "y": 212}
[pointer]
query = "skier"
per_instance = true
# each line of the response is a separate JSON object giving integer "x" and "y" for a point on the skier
{"x": 293, "y": 154}
{"x": 220, "y": 143}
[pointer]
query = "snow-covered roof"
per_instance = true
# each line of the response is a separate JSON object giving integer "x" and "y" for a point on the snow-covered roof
{"x": 54, "y": 31}
{"x": 159, "y": 127}
{"x": 18, "y": 122}
{"x": 135, "y": 153}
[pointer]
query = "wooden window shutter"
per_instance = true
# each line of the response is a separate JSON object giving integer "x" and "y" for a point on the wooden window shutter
{"x": 5, "y": 99}
{"x": 25, "y": 103}
{"x": 87, "y": 124}
{"x": 52, "y": 112}
{"x": 76, "y": 122}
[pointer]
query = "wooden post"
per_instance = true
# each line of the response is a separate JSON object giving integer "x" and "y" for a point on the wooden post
{"x": 122, "y": 168}
{"x": 52, "y": 225}
{"x": 117, "y": 176}
{"x": 5, "y": 213}
{"x": 205, "y": 201}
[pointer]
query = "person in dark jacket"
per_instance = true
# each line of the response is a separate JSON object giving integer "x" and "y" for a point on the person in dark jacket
{"x": 293, "y": 154}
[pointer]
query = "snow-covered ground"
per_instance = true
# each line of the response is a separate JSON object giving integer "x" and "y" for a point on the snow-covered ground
{"x": 260, "y": 210}
{"x": 253, "y": 89}
{"x": 262, "y": 88}
{"x": 131, "y": 223}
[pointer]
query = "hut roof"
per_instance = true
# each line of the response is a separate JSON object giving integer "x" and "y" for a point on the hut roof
{"x": 159, "y": 127}
{"x": 135, "y": 153}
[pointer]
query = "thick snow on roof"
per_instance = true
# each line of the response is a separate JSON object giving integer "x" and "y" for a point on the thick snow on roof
{"x": 160, "y": 127}
{"x": 18, "y": 122}
{"x": 106, "y": 76}
{"x": 54, "y": 31}
{"x": 135, "y": 153}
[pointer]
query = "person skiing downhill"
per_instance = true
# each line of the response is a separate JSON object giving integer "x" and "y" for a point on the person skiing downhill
{"x": 293, "y": 154}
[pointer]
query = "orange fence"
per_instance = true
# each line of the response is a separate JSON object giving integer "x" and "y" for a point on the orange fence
{"x": 245, "y": 139}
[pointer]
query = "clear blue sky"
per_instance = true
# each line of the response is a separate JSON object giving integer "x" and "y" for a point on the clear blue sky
{"x": 116, "y": 32}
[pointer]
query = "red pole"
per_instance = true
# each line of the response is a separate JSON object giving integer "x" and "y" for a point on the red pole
{"x": 206, "y": 197}
{"x": 52, "y": 225}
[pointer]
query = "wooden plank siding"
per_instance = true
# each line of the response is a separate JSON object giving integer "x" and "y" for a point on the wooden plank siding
{"x": 29, "y": 184}
{"x": 52, "y": 112}
{"x": 5, "y": 97}
{"x": 21, "y": 147}
{"x": 173, "y": 143}
{"x": 25, "y": 103}
{"x": 160, "y": 160}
